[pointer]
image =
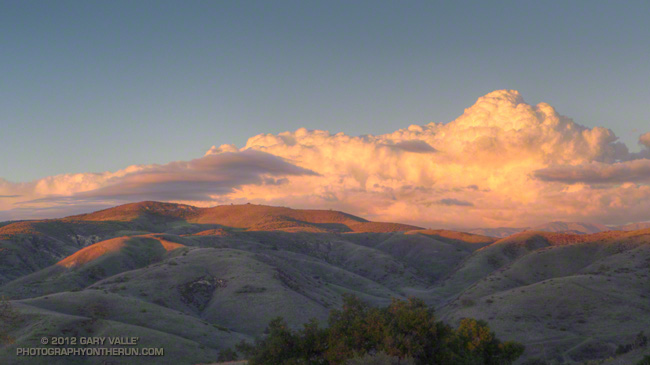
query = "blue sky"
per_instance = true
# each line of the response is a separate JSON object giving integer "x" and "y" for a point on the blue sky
{"x": 93, "y": 86}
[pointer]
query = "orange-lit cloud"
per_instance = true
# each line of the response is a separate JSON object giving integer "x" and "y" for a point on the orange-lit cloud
{"x": 645, "y": 140}
{"x": 503, "y": 162}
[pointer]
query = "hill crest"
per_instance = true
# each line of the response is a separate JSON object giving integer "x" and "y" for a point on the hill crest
{"x": 244, "y": 216}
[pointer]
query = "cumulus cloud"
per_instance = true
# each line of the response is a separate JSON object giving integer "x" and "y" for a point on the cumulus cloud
{"x": 488, "y": 156}
{"x": 503, "y": 162}
{"x": 223, "y": 148}
{"x": 644, "y": 140}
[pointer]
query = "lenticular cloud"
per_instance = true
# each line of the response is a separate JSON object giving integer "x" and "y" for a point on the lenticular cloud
{"x": 503, "y": 162}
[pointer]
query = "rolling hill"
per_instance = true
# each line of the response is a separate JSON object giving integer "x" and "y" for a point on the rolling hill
{"x": 29, "y": 246}
{"x": 556, "y": 226}
{"x": 198, "y": 280}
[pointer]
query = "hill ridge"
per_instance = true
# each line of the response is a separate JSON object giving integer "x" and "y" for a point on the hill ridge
{"x": 243, "y": 216}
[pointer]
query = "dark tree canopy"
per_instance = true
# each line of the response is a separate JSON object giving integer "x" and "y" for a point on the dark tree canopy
{"x": 404, "y": 330}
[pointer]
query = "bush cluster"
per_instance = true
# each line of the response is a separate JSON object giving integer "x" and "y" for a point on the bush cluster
{"x": 404, "y": 331}
{"x": 640, "y": 341}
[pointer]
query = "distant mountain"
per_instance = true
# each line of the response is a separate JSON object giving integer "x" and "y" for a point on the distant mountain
{"x": 557, "y": 226}
{"x": 571, "y": 227}
{"x": 633, "y": 226}
{"x": 499, "y": 232}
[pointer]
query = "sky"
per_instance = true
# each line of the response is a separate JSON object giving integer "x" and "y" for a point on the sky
{"x": 103, "y": 103}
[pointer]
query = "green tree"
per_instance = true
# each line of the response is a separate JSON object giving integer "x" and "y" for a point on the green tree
{"x": 404, "y": 332}
{"x": 349, "y": 327}
{"x": 412, "y": 332}
{"x": 278, "y": 347}
{"x": 312, "y": 343}
{"x": 476, "y": 344}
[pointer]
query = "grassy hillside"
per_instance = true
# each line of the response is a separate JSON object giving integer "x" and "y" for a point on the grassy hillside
{"x": 28, "y": 246}
{"x": 563, "y": 299}
{"x": 198, "y": 280}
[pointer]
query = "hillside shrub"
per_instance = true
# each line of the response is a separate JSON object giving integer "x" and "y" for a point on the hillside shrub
{"x": 404, "y": 331}
{"x": 227, "y": 355}
{"x": 640, "y": 341}
{"x": 8, "y": 319}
